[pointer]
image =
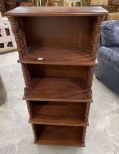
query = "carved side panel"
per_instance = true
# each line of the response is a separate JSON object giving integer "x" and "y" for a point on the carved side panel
{"x": 26, "y": 75}
{"x": 90, "y": 76}
{"x": 94, "y": 44}
{"x": 96, "y": 34}
{"x": 18, "y": 30}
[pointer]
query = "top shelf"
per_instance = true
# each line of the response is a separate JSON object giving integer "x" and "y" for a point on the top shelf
{"x": 57, "y": 11}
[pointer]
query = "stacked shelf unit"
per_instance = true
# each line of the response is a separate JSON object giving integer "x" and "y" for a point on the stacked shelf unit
{"x": 57, "y": 50}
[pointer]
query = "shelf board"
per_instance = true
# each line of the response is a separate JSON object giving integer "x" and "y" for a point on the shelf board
{"x": 65, "y": 115}
{"x": 57, "y": 11}
{"x": 58, "y": 89}
{"x": 58, "y": 122}
{"x": 61, "y": 135}
{"x": 59, "y": 56}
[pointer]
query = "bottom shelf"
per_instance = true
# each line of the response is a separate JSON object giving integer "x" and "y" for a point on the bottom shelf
{"x": 59, "y": 135}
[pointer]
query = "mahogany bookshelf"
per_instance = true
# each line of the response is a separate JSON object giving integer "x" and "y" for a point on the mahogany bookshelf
{"x": 57, "y": 50}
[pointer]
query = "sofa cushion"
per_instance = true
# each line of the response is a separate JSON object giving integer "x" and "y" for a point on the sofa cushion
{"x": 110, "y": 33}
{"x": 109, "y": 56}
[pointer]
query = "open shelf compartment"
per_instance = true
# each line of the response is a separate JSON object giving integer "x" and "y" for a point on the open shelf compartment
{"x": 68, "y": 42}
{"x": 58, "y": 113}
{"x": 59, "y": 135}
{"x": 58, "y": 89}
{"x": 58, "y": 83}
{"x": 59, "y": 56}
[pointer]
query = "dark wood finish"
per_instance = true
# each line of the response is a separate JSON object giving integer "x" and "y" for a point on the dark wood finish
{"x": 58, "y": 113}
{"x": 59, "y": 135}
{"x": 10, "y": 4}
{"x": 60, "y": 71}
{"x": 59, "y": 89}
{"x": 57, "y": 11}
{"x": 58, "y": 86}
{"x": 59, "y": 56}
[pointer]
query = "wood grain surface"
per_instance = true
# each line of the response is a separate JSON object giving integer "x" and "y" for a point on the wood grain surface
{"x": 57, "y": 49}
{"x": 57, "y": 11}
{"x": 59, "y": 89}
{"x": 58, "y": 113}
{"x": 59, "y": 135}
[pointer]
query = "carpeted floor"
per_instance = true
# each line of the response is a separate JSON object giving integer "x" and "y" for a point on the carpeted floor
{"x": 16, "y": 135}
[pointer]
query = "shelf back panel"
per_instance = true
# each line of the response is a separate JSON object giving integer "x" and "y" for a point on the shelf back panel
{"x": 59, "y": 135}
{"x": 59, "y": 31}
{"x": 58, "y": 111}
{"x": 58, "y": 71}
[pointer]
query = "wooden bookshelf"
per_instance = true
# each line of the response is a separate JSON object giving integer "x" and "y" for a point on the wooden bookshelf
{"x": 57, "y": 50}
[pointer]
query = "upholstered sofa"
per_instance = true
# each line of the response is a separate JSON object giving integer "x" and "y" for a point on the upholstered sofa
{"x": 107, "y": 70}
